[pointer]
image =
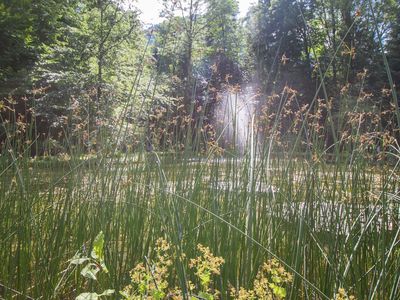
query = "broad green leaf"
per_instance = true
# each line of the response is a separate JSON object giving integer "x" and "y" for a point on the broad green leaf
{"x": 98, "y": 244}
{"x": 88, "y": 296}
{"x": 98, "y": 250}
{"x": 90, "y": 271}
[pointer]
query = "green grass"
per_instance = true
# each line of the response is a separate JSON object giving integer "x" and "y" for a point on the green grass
{"x": 334, "y": 225}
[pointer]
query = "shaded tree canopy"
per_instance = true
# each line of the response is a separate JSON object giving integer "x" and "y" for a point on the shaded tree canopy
{"x": 78, "y": 65}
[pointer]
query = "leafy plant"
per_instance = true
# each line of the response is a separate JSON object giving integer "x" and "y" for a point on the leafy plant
{"x": 342, "y": 295}
{"x": 93, "y": 264}
{"x": 206, "y": 265}
{"x": 149, "y": 279}
{"x": 269, "y": 283}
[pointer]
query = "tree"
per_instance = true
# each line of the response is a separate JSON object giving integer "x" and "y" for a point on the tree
{"x": 191, "y": 12}
{"x": 26, "y": 27}
{"x": 223, "y": 41}
{"x": 73, "y": 55}
{"x": 393, "y": 48}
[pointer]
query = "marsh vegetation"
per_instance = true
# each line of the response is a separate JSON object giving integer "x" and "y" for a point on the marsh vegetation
{"x": 209, "y": 156}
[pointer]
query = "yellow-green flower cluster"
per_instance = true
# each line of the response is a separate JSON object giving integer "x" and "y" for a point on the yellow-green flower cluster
{"x": 150, "y": 280}
{"x": 268, "y": 285}
{"x": 342, "y": 295}
{"x": 206, "y": 265}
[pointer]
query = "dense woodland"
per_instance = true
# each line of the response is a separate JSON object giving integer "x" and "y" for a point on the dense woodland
{"x": 74, "y": 72}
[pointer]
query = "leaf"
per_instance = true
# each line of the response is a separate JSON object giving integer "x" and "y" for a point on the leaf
{"x": 276, "y": 279}
{"x": 94, "y": 296}
{"x": 90, "y": 271}
{"x": 125, "y": 295}
{"x": 87, "y": 296}
{"x": 207, "y": 296}
{"x": 158, "y": 295}
{"x": 98, "y": 244}
{"x": 98, "y": 250}
{"x": 78, "y": 260}
{"x": 205, "y": 278}
{"x": 107, "y": 293}
{"x": 278, "y": 291}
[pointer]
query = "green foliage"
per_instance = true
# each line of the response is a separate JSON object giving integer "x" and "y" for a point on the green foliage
{"x": 223, "y": 41}
{"x": 222, "y": 25}
{"x": 269, "y": 283}
{"x": 275, "y": 28}
{"x": 94, "y": 296}
{"x": 26, "y": 26}
{"x": 92, "y": 266}
{"x": 394, "y": 45}
{"x": 151, "y": 282}
{"x": 98, "y": 251}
